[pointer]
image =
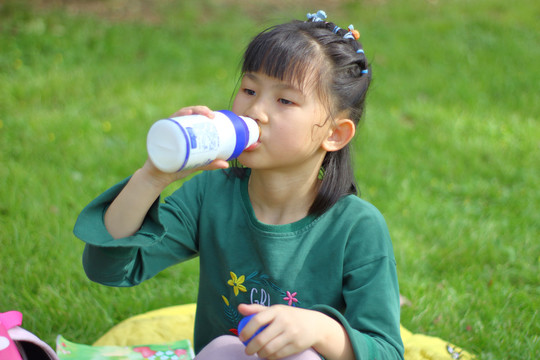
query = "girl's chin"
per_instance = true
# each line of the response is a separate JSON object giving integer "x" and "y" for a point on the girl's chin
{"x": 246, "y": 159}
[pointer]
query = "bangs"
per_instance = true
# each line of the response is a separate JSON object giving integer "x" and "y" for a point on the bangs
{"x": 285, "y": 53}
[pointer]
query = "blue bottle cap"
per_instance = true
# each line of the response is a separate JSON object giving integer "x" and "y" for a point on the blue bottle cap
{"x": 241, "y": 130}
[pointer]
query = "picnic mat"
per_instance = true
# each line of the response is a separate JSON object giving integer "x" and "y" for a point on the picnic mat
{"x": 176, "y": 322}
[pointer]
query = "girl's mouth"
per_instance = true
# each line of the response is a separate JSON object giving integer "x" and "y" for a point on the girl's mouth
{"x": 252, "y": 147}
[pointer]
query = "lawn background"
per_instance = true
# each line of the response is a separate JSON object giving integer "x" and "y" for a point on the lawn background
{"x": 449, "y": 150}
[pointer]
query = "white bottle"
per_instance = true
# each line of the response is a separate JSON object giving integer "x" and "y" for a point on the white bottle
{"x": 190, "y": 141}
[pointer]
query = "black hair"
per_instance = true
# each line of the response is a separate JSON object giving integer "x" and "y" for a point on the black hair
{"x": 297, "y": 51}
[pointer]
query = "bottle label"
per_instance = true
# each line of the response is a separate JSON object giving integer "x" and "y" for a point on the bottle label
{"x": 203, "y": 142}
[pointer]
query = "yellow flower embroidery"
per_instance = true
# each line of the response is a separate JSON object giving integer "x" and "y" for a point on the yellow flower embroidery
{"x": 236, "y": 283}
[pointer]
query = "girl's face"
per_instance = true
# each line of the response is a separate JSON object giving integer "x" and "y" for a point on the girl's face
{"x": 293, "y": 122}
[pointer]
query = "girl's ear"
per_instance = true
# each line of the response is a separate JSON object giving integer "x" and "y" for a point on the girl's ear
{"x": 340, "y": 135}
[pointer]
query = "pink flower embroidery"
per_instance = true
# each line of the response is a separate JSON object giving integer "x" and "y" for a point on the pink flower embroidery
{"x": 291, "y": 298}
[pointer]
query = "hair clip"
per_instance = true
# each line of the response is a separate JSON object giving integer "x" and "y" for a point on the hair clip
{"x": 360, "y": 51}
{"x": 318, "y": 16}
{"x": 365, "y": 71}
{"x": 336, "y": 29}
{"x": 352, "y": 34}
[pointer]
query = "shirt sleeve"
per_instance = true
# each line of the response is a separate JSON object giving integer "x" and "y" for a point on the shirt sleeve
{"x": 167, "y": 236}
{"x": 371, "y": 293}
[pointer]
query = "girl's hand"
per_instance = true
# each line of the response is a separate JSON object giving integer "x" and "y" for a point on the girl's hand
{"x": 290, "y": 330}
{"x": 162, "y": 179}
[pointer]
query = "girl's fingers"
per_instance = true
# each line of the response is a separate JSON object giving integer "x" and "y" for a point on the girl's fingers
{"x": 249, "y": 309}
{"x": 274, "y": 343}
{"x": 283, "y": 351}
{"x": 270, "y": 343}
{"x": 256, "y": 322}
{"x": 192, "y": 110}
{"x": 214, "y": 165}
{"x": 261, "y": 344}
{"x": 272, "y": 339}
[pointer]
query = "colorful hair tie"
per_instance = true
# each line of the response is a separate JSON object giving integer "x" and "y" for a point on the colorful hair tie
{"x": 360, "y": 51}
{"x": 365, "y": 71}
{"x": 336, "y": 29}
{"x": 318, "y": 16}
{"x": 352, "y": 34}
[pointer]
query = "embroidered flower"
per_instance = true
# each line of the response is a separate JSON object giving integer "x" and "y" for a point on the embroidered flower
{"x": 291, "y": 298}
{"x": 236, "y": 283}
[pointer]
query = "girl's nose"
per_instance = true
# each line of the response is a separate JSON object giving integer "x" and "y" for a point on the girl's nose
{"x": 257, "y": 112}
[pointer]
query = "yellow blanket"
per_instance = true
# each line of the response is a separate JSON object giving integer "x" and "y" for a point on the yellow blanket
{"x": 176, "y": 322}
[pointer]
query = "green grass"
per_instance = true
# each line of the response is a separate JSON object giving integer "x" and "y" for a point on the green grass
{"x": 449, "y": 151}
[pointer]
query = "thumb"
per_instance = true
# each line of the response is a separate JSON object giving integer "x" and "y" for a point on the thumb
{"x": 250, "y": 309}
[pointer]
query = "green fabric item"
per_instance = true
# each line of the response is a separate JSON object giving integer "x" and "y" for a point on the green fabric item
{"x": 340, "y": 263}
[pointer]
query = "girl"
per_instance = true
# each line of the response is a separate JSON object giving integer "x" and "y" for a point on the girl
{"x": 281, "y": 234}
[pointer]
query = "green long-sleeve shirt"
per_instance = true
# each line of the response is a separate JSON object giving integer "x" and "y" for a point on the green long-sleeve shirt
{"x": 340, "y": 263}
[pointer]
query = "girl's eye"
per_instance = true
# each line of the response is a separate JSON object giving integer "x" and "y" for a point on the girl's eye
{"x": 249, "y": 92}
{"x": 285, "y": 101}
